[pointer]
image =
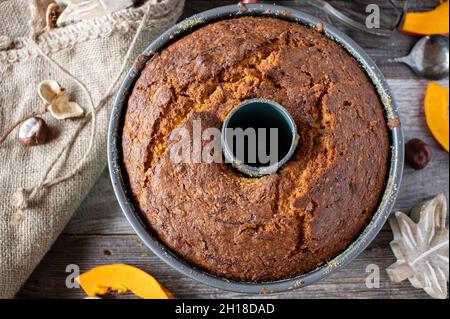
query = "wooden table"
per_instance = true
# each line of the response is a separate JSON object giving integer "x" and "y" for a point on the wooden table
{"x": 99, "y": 234}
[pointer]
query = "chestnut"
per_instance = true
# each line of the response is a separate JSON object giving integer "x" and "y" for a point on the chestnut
{"x": 418, "y": 153}
{"x": 33, "y": 131}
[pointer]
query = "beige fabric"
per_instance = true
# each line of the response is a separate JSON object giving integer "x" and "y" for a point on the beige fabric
{"x": 94, "y": 52}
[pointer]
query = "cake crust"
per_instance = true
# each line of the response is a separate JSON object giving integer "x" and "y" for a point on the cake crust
{"x": 276, "y": 226}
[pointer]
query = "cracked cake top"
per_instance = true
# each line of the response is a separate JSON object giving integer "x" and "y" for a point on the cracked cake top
{"x": 276, "y": 226}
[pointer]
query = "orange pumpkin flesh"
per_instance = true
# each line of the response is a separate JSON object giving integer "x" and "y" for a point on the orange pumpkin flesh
{"x": 121, "y": 278}
{"x": 436, "y": 113}
{"x": 430, "y": 22}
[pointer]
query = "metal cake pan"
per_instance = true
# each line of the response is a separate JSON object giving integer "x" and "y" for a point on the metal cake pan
{"x": 145, "y": 233}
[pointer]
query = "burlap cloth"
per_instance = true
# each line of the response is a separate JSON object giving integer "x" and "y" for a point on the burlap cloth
{"x": 94, "y": 52}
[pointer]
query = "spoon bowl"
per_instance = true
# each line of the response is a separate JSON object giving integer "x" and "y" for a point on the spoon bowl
{"x": 429, "y": 57}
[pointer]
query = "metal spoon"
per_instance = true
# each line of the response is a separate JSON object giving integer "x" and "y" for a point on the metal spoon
{"x": 429, "y": 58}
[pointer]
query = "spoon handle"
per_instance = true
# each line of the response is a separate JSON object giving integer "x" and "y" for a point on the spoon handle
{"x": 404, "y": 59}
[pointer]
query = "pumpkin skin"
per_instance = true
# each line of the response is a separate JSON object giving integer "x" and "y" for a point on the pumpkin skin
{"x": 436, "y": 113}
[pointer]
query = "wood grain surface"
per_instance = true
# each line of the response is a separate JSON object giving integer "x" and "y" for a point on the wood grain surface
{"x": 99, "y": 234}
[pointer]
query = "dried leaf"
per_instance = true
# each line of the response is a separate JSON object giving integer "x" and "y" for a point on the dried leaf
{"x": 422, "y": 248}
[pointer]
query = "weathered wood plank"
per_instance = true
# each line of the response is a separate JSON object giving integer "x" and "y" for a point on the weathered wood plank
{"x": 48, "y": 281}
{"x": 99, "y": 213}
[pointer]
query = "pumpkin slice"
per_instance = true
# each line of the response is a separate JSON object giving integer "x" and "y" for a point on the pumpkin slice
{"x": 436, "y": 112}
{"x": 121, "y": 278}
{"x": 435, "y": 21}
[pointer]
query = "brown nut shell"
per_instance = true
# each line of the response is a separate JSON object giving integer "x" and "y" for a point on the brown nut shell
{"x": 418, "y": 154}
{"x": 34, "y": 131}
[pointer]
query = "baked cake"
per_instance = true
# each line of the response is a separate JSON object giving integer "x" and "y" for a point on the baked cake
{"x": 279, "y": 225}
